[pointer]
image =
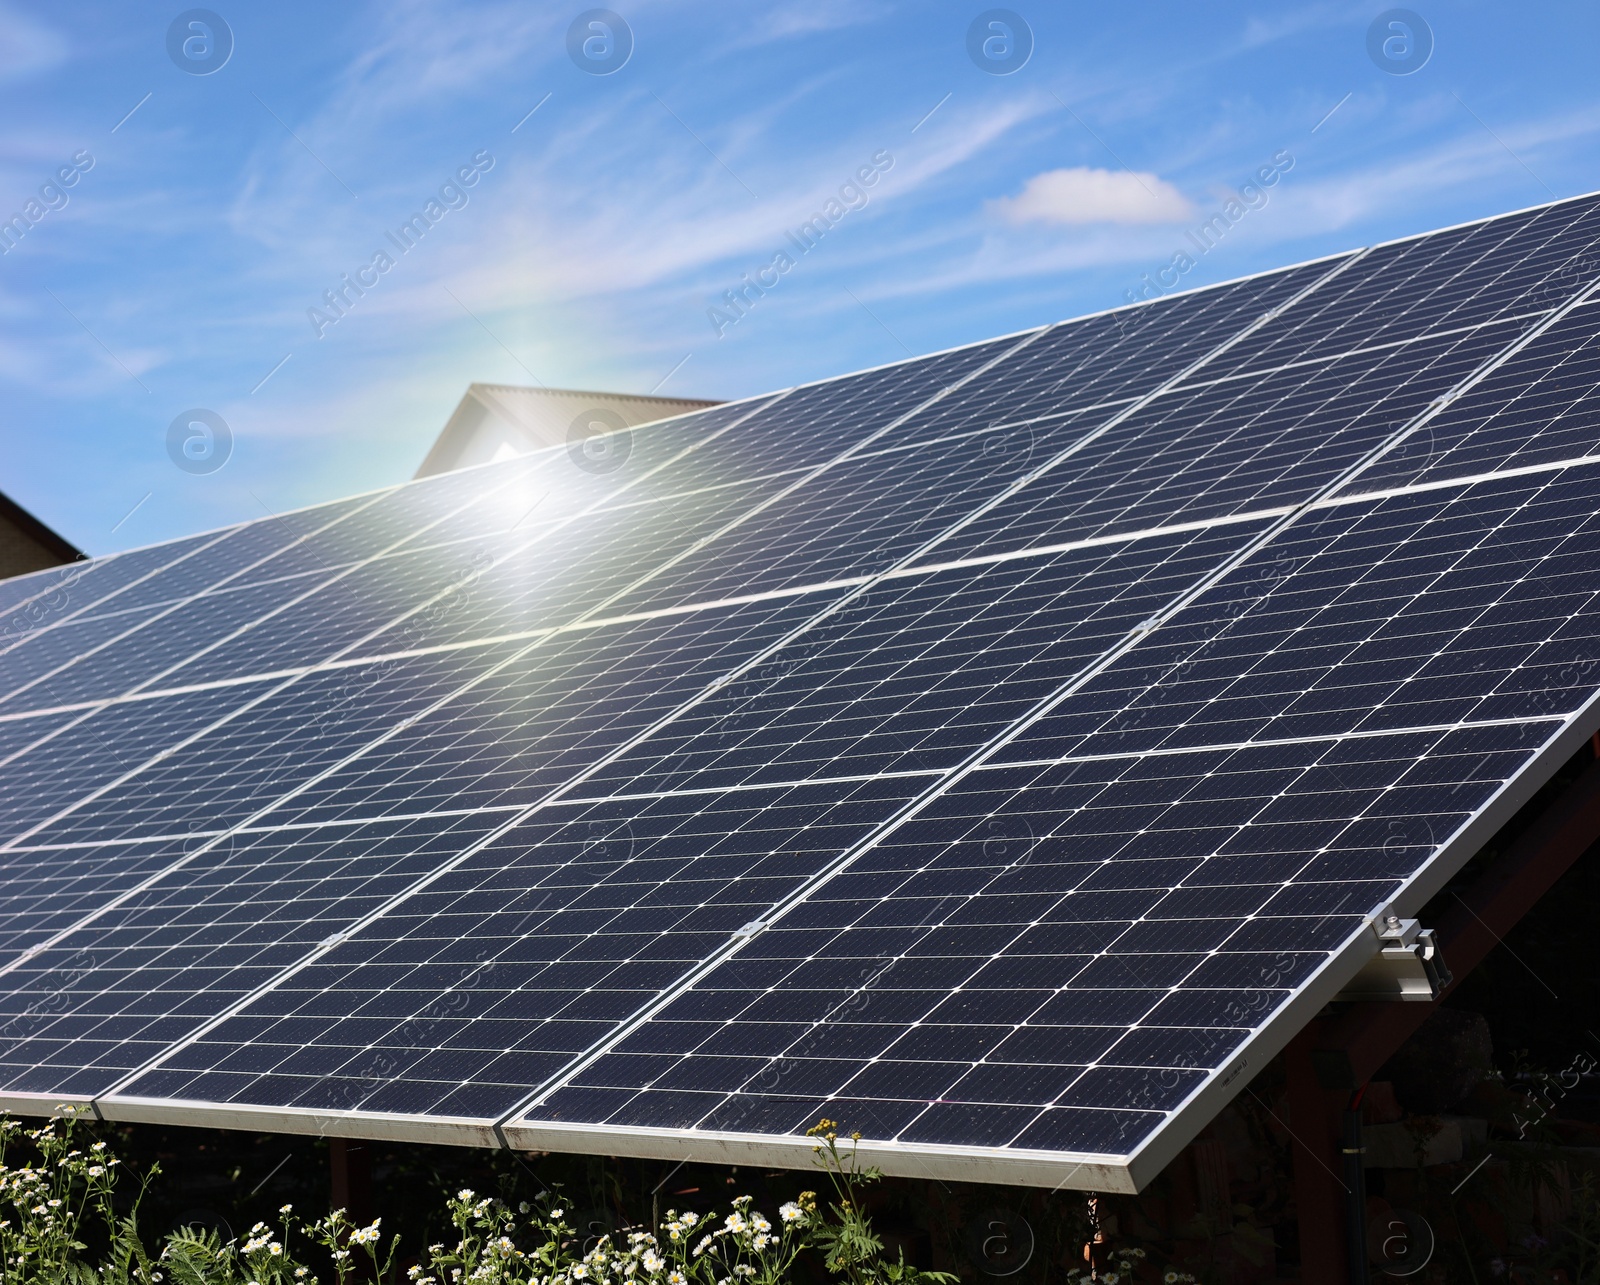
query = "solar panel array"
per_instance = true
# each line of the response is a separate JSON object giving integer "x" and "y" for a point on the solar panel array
{"x": 1001, "y": 752}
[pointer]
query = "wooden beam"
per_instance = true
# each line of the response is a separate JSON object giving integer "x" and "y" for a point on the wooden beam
{"x": 350, "y": 1174}
{"x": 1352, "y": 1046}
{"x": 1320, "y": 1195}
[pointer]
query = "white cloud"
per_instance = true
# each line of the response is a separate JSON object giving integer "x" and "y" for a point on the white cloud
{"x": 1082, "y": 195}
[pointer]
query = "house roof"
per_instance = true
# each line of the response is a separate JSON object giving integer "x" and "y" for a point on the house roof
{"x": 27, "y": 544}
{"x": 498, "y": 421}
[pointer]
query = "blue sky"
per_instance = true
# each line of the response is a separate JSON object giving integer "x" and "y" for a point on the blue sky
{"x": 602, "y": 230}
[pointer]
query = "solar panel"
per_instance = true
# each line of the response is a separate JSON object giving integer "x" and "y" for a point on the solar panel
{"x": 1003, "y": 751}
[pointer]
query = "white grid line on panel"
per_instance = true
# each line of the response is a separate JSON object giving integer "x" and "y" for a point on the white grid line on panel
{"x": 1049, "y": 703}
{"x": 189, "y": 857}
{"x": 521, "y": 813}
{"x": 161, "y": 611}
{"x": 19, "y": 843}
{"x": 1210, "y": 747}
{"x": 755, "y": 407}
{"x": 1460, "y": 265}
{"x": 850, "y": 453}
{"x": 1270, "y": 742}
{"x": 1253, "y": 373}
{"x": 87, "y": 710}
{"x": 797, "y": 591}
{"x": 755, "y": 661}
{"x": 1264, "y": 802}
{"x": 1522, "y": 775}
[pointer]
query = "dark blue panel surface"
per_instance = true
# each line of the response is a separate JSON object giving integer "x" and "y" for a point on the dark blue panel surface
{"x": 859, "y": 518}
{"x": 1211, "y": 450}
{"x": 112, "y": 583}
{"x": 555, "y": 709}
{"x": 45, "y": 891}
{"x": 1430, "y": 608}
{"x": 264, "y": 750}
{"x": 1086, "y": 938}
{"x": 93, "y": 748}
{"x": 1540, "y": 407}
{"x": 148, "y": 971}
{"x": 1516, "y": 265}
{"x": 1109, "y": 357}
{"x": 922, "y": 670}
{"x": 1012, "y": 848}
{"x": 471, "y": 993}
{"x": 813, "y": 424}
{"x": 570, "y": 570}
{"x": 27, "y": 670}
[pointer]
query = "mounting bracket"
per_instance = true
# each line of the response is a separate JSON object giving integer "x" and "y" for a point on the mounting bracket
{"x": 1408, "y": 965}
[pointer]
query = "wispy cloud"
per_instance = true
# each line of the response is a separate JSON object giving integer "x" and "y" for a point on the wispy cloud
{"x": 812, "y": 16}
{"x": 1260, "y": 31}
{"x": 29, "y": 47}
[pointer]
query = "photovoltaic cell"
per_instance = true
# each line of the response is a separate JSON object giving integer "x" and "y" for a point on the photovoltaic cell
{"x": 48, "y": 890}
{"x": 1047, "y": 940}
{"x": 1436, "y": 607}
{"x": 572, "y": 571}
{"x": 555, "y": 709}
{"x": 858, "y": 519}
{"x": 1518, "y": 264}
{"x": 29, "y": 672}
{"x": 500, "y": 971}
{"x": 1212, "y": 450}
{"x": 921, "y": 671}
{"x": 1111, "y": 357}
{"x": 148, "y": 970}
{"x": 817, "y": 422}
{"x": 37, "y": 601}
{"x": 1539, "y": 408}
{"x": 1000, "y": 751}
{"x": 86, "y": 752}
{"x": 261, "y": 742}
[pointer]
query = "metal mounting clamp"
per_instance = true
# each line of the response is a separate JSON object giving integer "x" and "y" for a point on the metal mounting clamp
{"x": 1407, "y": 965}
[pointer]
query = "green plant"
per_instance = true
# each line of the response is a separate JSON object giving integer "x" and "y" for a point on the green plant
{"x": 54, "y": 1197}
{"x": 1124, "y": 1262}
{"x": 850, "y": 1248}
{"x": 60, "y": 1198}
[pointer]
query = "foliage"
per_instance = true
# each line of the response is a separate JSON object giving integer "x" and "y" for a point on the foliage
{"x": 1124, "y": 1262}
{"x": 59, "y": 1223}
